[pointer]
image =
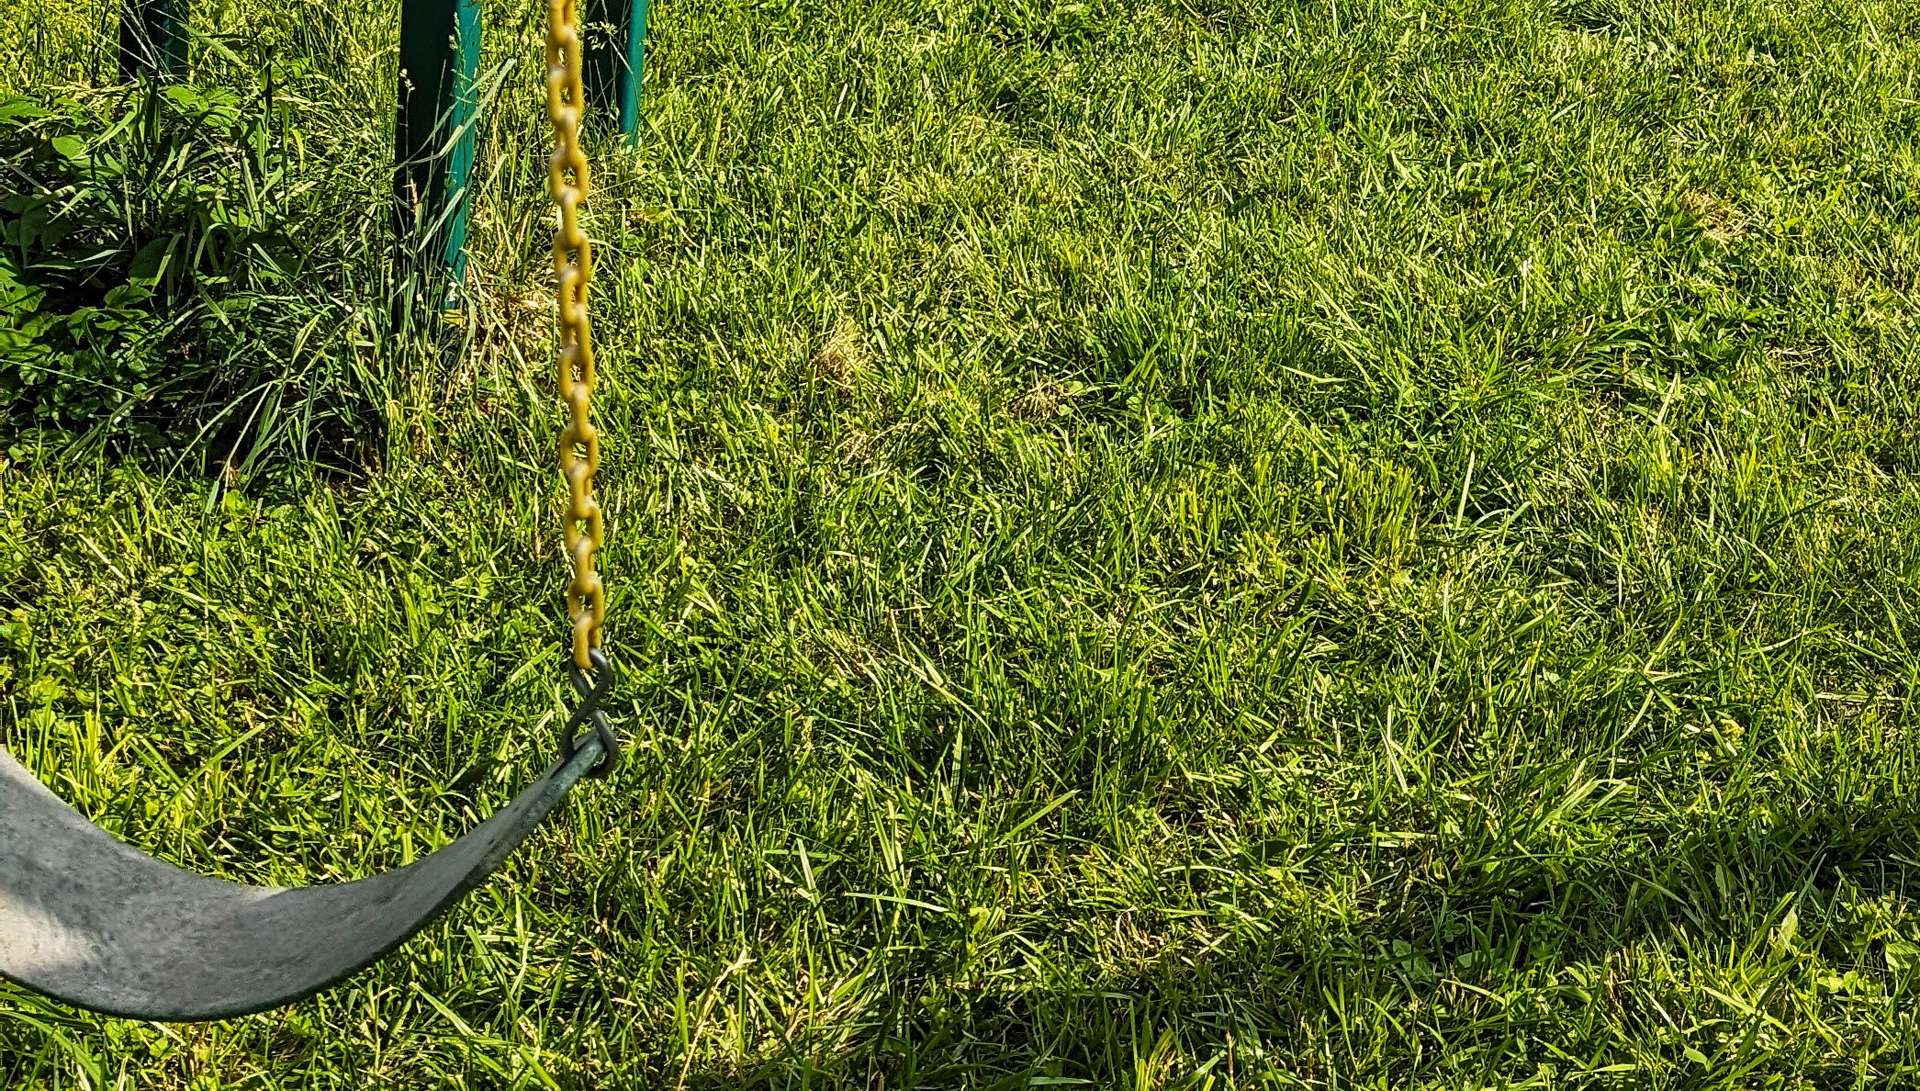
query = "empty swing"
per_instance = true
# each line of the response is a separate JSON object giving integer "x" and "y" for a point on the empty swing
{"x": 89, "y": 920}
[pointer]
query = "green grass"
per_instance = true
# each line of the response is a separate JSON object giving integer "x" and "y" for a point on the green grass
{"x": 1188, "y": 544}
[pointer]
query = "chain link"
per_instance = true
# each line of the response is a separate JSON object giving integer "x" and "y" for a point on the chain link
{"x": 573, "y": 266}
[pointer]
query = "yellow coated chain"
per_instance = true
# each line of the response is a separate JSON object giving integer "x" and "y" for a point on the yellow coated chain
{"x": 573, "y": 265}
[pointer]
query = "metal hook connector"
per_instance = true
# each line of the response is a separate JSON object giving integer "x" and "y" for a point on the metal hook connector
{"x": 592, "y": 688}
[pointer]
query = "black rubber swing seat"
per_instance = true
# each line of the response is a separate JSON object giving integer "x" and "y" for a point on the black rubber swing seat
{"x": 88, "y": 919}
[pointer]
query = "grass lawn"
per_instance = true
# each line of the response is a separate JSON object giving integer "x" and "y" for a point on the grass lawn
{"x": 1178, "y": 544}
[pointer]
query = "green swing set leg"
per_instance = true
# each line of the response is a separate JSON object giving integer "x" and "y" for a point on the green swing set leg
{"x": 616, "y": 59}
{"x": 153, "y": 39}
{"x": 434, "y": 134}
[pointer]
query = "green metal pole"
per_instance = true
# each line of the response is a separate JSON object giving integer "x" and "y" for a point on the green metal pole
{"x": 153, "y": 38}
{"x": 616, "y": 60}
{"x": 434, "y": 133}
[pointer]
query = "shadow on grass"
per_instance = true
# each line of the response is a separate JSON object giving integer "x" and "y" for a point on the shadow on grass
{"x": 1487, "y": 973}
